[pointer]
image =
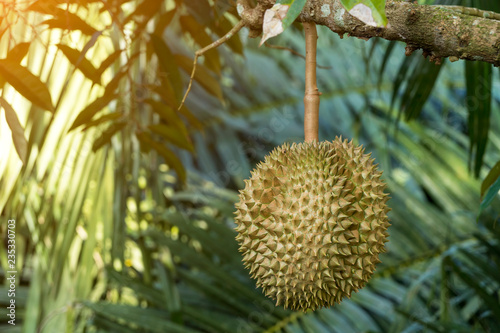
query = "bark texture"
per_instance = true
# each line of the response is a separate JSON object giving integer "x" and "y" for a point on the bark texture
{"x": 440, "y": 31}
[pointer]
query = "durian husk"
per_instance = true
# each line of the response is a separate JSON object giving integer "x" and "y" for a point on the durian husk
{"x": 312, "y": 221}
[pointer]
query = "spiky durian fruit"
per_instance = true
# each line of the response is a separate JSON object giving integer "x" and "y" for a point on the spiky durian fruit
{"x": 312, "y": 221}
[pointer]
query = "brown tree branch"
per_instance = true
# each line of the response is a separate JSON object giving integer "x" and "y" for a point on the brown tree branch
{"x": 311, "y": 94}
{"x": 440, "y": 31}
{"x": 202, "y": 51}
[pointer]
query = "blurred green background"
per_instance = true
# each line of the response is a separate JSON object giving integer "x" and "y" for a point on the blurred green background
{"x": 124, "y": 205}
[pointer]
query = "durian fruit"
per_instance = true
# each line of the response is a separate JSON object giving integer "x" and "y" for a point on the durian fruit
{"x": 311, "y": 222}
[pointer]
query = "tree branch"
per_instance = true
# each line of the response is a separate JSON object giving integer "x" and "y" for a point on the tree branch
{"x": 311, "y": 94}
{"x": 440, "y": 31}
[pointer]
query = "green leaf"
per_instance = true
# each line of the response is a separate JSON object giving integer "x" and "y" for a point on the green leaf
{"x": 143, "y": 319}
{"x": 27, "y": 84}
{"x": 280, "y": 17}
{"x": 45, "y": 7}
{"x": 210, "y": 242}
{"x": 51, "y": 6}
{"x": 166, "y": 113}
{"x": 371, "y": 12}
{"x": 191, "y": 118}
{"x": 171, "y": 299}
{"x": 169, "y": 157}
{"x": 403, "y": 75}
{"x": 419, "y": 87}
{"x": 70, "y": 21}
{"x": 485, "y": 268}
{"x": 492, "y": 176}
{"x": 109, "y": 61}
{"x": 213, "y": 291}
{"x": 166, "y": 109}
{"x": 90, "y": 110}
{"x": 174, "y": 135}
{"x": 78, "y": 59}
{"x": 100, "y": 120}
{"x": 16, "y": 54}
{"x": 490, "y": 299}
{"x": 478, "y": 75}
{"x": 106, "y": 136}
{"x": 490, "y": 195}
{"x": 144, "y": 291}
{"x": 167, "y": 65}
{"x": 294, "y": 11}
{"x": 163, "y": 21}
{"x": 144, "y": 12}
{"x": 17, "y": 130}
{"x": 201, "y": 10}
{"x": 113, "y": 84}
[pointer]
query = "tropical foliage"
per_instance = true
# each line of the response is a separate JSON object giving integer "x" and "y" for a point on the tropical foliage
{"x": 124, "y": 204}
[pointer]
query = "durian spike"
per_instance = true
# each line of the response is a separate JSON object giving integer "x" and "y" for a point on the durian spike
{"x": 311, "y": 94}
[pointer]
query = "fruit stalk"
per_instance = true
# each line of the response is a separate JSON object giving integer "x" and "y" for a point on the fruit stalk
{"x": 311, "y": 95}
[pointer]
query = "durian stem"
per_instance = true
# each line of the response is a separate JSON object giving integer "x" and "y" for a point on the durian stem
{"x": 311, "y": 95}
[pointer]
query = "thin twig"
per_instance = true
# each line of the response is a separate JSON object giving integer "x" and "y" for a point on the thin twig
{"x": 202, "y": 51}
{"x": 311, "y": 95}
{"x": 292, "y": 51}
